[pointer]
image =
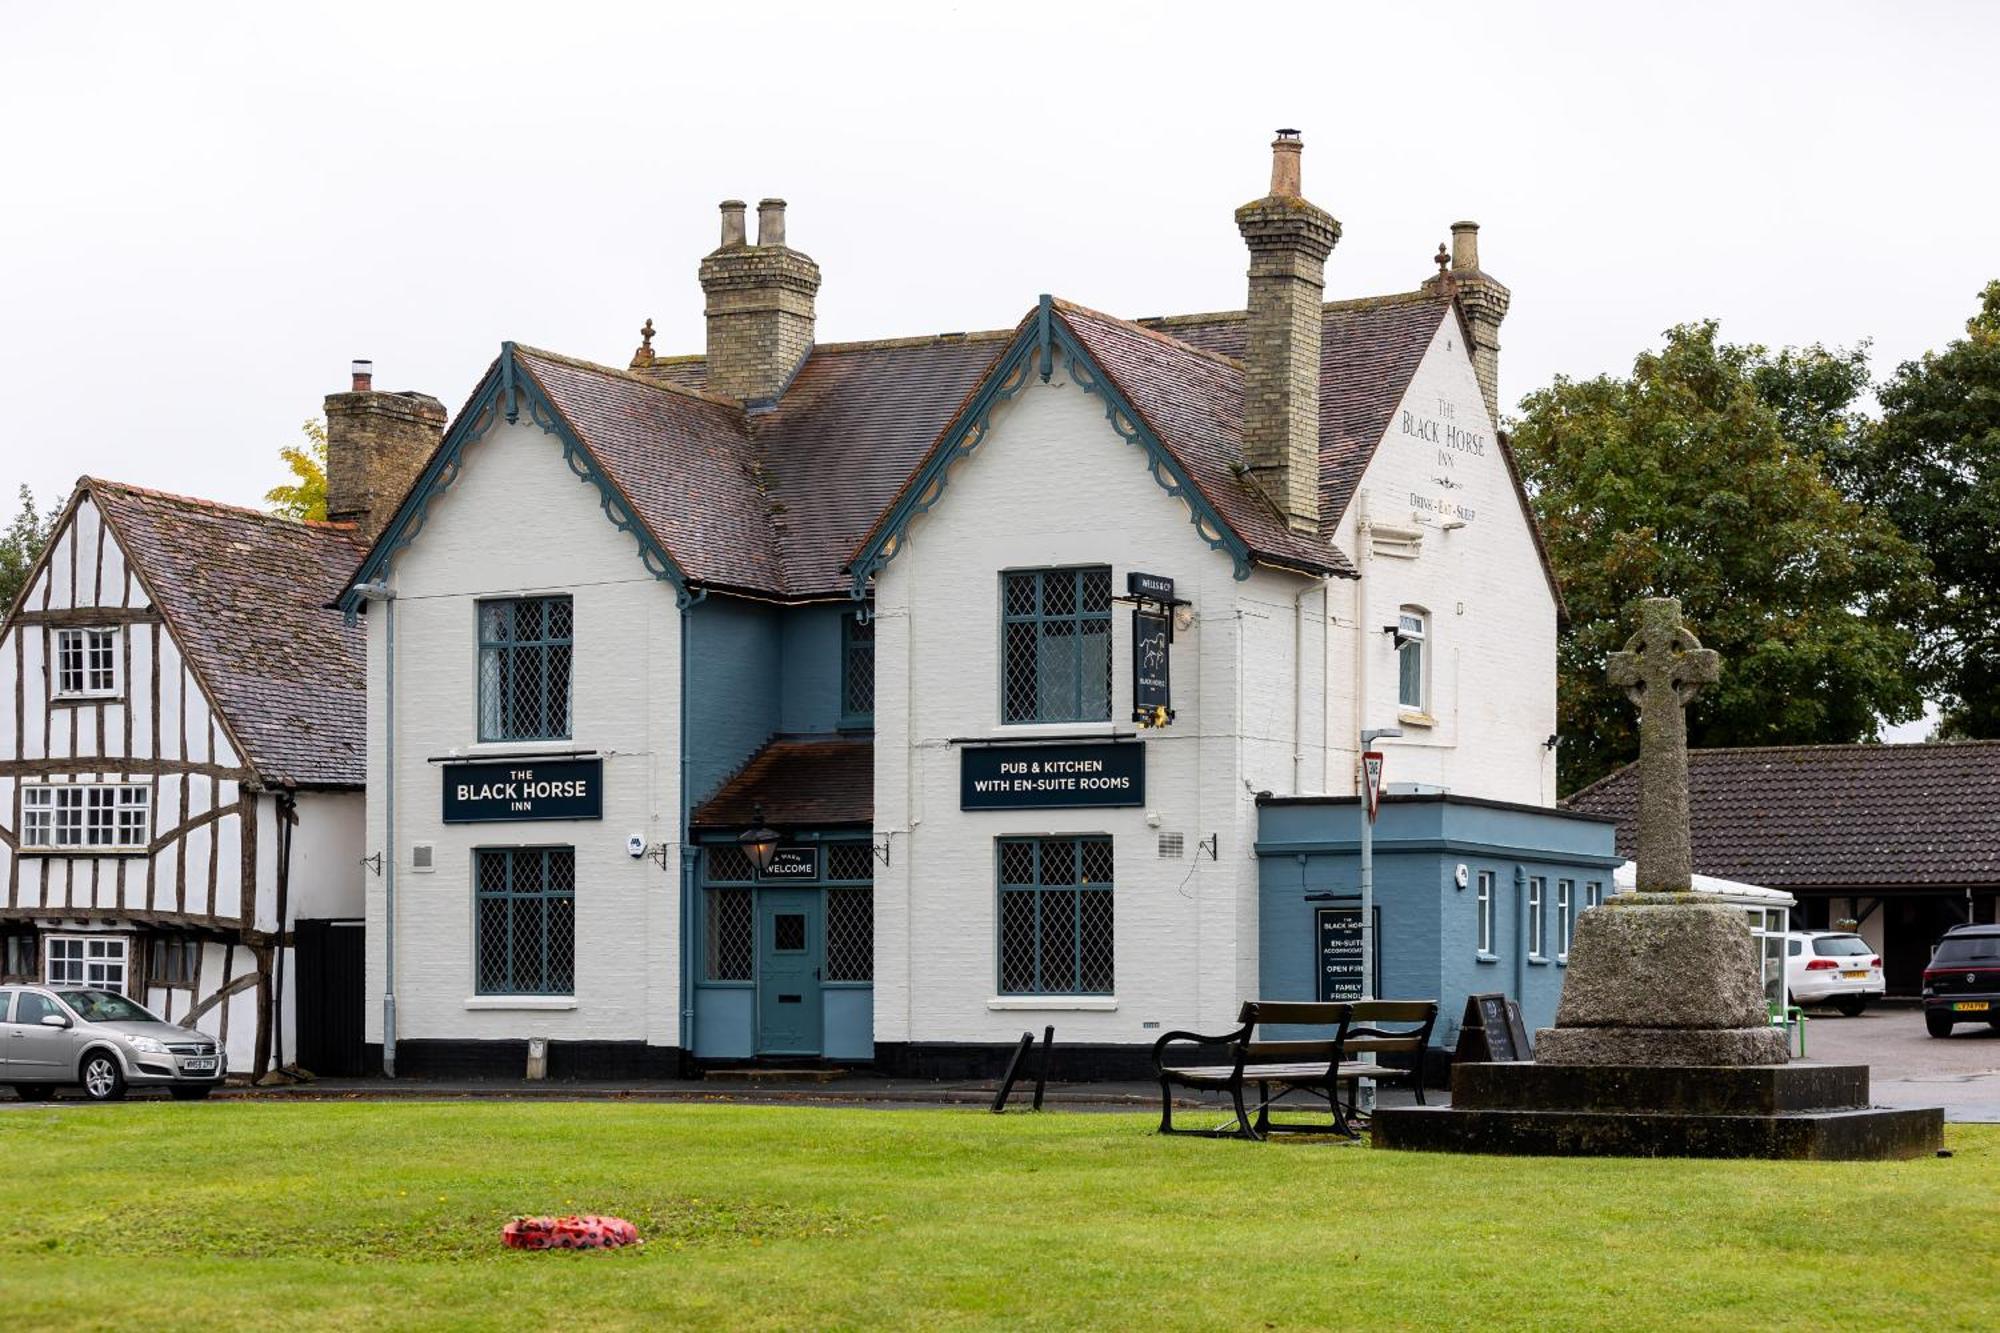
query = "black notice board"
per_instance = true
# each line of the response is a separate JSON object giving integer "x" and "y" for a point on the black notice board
{"x": 1152, "y": 684}
{"x": 1337, "y": 953}
{"x": 517, "y": 789}
{"x": 1051, "y": 777}
{"x": 1492, "y": 1030}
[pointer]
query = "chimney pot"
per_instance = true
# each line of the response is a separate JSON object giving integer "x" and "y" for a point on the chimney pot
{"x": 770, "y": 222}
{"x": 732, "y": 222}
{"x": 1465, "y": 247}
{"x": 364, "y": 375}
{"x": 1285, "y": 150}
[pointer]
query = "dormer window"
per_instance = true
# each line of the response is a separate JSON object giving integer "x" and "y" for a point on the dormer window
{"x": 87, "y": 664}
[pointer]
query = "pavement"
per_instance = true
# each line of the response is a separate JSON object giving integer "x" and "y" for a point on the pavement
{"x": 1908, "y": 1068}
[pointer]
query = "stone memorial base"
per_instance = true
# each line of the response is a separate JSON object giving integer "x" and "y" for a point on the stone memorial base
{"x": 1818, "y": 1112}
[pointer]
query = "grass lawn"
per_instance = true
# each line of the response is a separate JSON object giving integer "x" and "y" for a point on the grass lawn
{"x": 357, "y": 1214}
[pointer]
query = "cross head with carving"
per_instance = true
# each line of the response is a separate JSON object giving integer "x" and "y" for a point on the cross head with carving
{"x": 1662, "y": 669}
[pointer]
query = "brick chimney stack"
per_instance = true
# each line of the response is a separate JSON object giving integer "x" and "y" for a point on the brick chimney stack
{"x": 759, "y": 305}
{"x": 376, "y": 444}
{"x": 1484, "y": 301}
{"x": 1289, "y": 240}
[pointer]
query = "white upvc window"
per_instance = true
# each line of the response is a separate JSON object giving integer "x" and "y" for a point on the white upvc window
{"x": 1537, "y": 921}
{"x": 85, "y": 960}
{"x": 86, "y": 663}
{"x": 1486, "y": 914}
{"x": 86, "y": 816}
{"x": 1565, "y": 916}
{"x": 1412, "y": 631}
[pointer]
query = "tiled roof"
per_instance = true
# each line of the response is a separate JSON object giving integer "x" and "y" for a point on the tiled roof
{"x": 798, "y": 782}
{"x": 1193, "y": 400}
{"x": 776, "y": 501}
{"x": 1369, "y": 349}
{"x": 245, "y": 595}
{"x": 1833, "y": 816}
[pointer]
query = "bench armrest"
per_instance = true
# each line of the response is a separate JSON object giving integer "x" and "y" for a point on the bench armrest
{"x": 1239, "y": 1040}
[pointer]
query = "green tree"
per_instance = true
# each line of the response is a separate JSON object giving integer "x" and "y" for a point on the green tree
{"x": 304, "y": 497}
{"x": 1932, "y": 466}
{"x": 1700, "y": 476}
{"x": 21, "y": 543}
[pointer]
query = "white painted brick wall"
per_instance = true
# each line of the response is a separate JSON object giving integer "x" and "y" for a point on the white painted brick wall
{"x": 518, "y": 521}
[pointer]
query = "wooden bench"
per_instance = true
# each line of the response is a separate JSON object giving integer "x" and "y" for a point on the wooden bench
{"x": 1317, "y": 1066}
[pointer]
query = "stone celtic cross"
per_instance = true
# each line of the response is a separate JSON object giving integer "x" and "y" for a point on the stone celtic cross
{"x": 1662, "y": 668}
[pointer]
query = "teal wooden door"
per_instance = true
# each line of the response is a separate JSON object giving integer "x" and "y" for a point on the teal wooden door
{"x": 791, "y": 935}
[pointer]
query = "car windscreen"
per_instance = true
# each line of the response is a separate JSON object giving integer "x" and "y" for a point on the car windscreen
{"x": 1840, "y": 946}
{"x": 104, "y": 1006}
{"x": 1968, "y": 949}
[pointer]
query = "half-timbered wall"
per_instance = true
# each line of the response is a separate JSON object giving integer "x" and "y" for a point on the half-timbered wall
{"x": 208, "y": 870}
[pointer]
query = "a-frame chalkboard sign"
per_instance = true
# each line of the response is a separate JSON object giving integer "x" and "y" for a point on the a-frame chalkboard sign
{"x": 1492, "y": 1030}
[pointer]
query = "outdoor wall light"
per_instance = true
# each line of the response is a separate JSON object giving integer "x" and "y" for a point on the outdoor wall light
{"x": 760, "y": 843}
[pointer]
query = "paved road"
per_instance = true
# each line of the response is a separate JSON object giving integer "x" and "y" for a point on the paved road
{"x": 1908, "y": 1066}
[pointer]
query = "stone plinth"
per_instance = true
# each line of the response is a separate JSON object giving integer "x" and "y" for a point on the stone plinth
{"x": 1816, "y": 1112}
{"x": 1662, "y": 979}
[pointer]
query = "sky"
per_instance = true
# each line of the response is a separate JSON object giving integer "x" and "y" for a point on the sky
{"x": 207, "y": 210}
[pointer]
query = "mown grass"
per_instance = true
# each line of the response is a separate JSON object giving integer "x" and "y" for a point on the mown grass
{"x": 344, "y": 1215}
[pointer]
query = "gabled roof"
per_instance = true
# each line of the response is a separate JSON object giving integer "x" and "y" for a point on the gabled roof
{"x": 245, "y": 595}
{"x": 1861, "y": 817}
{"x": 800, "y": 500}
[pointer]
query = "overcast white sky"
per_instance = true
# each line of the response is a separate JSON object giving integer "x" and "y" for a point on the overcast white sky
{"x": 209, "y": 209}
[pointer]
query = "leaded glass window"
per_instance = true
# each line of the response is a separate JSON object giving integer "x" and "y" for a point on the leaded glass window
{"x": 525, "y": 920}
{"x": 1056, "y": 645}
{"x": 730, "y": 935}
{"x": 850, "y": 911}
{"x": 524, "y": 669}
{"x": 1055, "y": 916}
{"x": 857, "y": 671}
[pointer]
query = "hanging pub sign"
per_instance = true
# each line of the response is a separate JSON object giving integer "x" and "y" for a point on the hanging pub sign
{"x": 792, "y": 863}
{"x": 1050, "y": 777}
{"x": 1339, "y": 952}
{"x": 1152, "y": 684}
{"x": 512, "y": 789}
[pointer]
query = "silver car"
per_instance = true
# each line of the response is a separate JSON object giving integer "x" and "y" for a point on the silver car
{"x": 51, "y": 1036}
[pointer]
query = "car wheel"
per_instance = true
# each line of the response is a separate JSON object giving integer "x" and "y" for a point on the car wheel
{"x": 103, "y": 1080}
{"x": 189, "y": 1094}
{"x": 1851, "y": 1005}
{"x": 1938, "y": 1025}
{"x": 34, "y": 1092}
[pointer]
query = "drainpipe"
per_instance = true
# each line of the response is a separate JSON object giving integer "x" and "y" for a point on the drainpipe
{"x": 1520, "y": 932}
{"x": 687, "y": 853}
{"x": 379, "y": 591}
{"x": 1363, "y": 558}
{"x": 1299, "y": 689}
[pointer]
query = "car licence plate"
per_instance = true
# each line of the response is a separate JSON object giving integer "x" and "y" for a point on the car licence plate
{"x": 1856, "y": 976}
{"x": 1970, "y": 1006}
{"x": 198, "y": 1066}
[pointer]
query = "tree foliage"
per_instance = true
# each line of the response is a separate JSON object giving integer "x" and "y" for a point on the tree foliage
{"x": 21, "y": 543}
{"x": 304, "y": 497}
{"x": 1700, "y": 476}
{"x": 1932, "y": 466}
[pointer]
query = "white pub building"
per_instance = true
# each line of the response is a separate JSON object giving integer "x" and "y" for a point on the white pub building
{"x": 868, "y": 703}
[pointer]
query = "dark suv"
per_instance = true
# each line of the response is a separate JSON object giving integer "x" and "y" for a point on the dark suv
{"x": 1962, "y": 983}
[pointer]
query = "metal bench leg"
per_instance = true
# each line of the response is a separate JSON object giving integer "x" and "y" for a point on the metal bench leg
{"x": 1244, "y": 1128}
{"x": 1263, "y": 1109}
{"x": 1166, "y": 1108}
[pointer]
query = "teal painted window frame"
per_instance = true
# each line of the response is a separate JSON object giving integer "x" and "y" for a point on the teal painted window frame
{"x": 857, "y": 641}
{"x": 1077, "y": 625}
{"x": 1046, "y": 898}
{"x": 847, "y": 885}
{"x": 505, "y": 655}
{"x": 545, "y": 894}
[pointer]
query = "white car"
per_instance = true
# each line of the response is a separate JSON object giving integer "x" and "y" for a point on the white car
{"x": 1832, "y": 967}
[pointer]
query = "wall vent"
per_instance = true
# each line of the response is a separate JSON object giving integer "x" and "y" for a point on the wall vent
{"x": 1171, "y": 847}
{"x": 420, "y": 856}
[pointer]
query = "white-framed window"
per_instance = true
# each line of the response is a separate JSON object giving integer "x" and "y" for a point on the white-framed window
{"x": 86, "y": 816}
{"x": 1565, "y": 916}
{"x": 1412, "y": 631}
{"x": 85, "y": 960}
{"x": 1593, "y": 894}
{"x": 86, "y": 663}
{"x": 1486, "y": 913}
{"x": 1538, "y": 940}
